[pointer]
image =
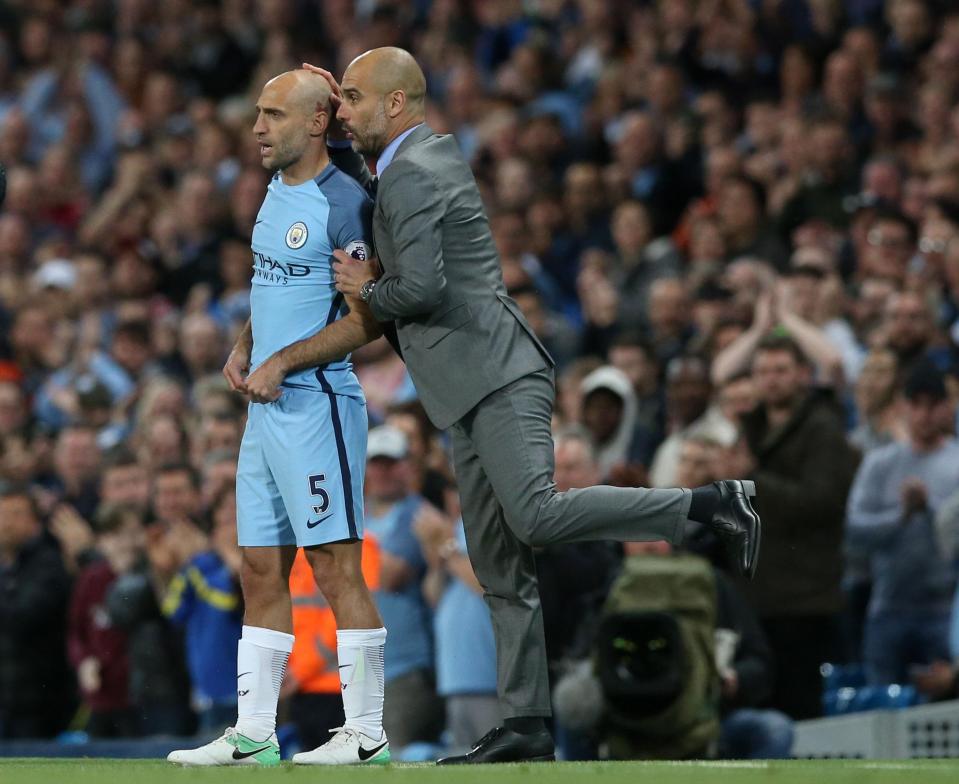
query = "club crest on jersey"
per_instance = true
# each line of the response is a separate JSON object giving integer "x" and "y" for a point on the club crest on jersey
{"x": 358, "y": 250}
{"x": 296, "y": 235}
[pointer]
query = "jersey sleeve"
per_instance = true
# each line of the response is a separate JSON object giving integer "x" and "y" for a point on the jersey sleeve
{"x": 350, "y": 224}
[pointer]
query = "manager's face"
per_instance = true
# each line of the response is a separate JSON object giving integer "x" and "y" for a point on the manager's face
{"x": 282, "y": 126}
{"x": 363, "y": 110}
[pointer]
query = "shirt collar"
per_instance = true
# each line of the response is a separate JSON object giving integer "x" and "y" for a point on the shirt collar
{"x": 386, "y": 157}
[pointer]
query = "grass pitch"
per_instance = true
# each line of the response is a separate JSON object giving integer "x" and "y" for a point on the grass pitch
{"x": 97, "y": 771}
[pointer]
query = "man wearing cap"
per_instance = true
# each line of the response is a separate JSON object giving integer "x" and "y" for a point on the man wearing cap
{"x": 481, "y": 372}
{"x": 412, "y": 711}
{"x": 891, "y": 520}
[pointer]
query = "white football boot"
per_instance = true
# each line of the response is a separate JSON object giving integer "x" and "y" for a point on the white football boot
{"x": 347, "y": 747}
{"x": 231, "y": 748}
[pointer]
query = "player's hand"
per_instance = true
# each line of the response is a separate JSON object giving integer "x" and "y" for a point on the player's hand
{"x": 236, "y": 367}
{"x": 350, "y": 274}
{"x": 263, "y": 384}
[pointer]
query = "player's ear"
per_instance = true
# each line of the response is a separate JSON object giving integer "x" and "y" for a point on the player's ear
{"x": 321, "y": 120}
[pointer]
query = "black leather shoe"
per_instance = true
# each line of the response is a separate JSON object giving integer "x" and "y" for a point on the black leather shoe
{"x": 737, "y": 524}
{"x": 504, "y": 745}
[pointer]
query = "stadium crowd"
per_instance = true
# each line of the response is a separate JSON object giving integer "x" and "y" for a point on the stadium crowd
{"x": 734, "y": 223}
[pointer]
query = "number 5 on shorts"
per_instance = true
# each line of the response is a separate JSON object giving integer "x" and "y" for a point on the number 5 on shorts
{"x": 316, "y": 490}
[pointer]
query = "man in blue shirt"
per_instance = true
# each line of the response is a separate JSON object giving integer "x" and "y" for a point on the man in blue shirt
{"x": 891, "y": 521}
{"x": 300, "y": 471}
{"x": 413, "y": 711}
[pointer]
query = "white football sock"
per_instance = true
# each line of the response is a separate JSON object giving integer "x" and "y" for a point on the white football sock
{"x": 261, "y": 657}
{"x": 360, "y": 655}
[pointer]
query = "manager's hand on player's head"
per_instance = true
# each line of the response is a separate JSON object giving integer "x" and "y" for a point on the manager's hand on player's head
{"x": 335, "y": 132}
{"x": 350, "y": 273}
{"x": 336, "y": 93}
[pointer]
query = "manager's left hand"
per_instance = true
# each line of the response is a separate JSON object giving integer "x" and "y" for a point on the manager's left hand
{"x": 263, "y": 384}
{"x": 350, "y": 274}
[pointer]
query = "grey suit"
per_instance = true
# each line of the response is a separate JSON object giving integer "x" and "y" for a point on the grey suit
{"x": 480, "y": 371}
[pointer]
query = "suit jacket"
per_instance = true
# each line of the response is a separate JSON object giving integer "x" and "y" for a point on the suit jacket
{"x": 462, "y": 337}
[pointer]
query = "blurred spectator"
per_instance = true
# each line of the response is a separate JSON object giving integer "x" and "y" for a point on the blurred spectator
{"x": 891, "y": 242}
{"x": 573, "y": 578}
{"x": 76, "y": 464}
{"x": 814, "y": 293}
{"x": 908, "y": 328}
{"x": 892, "y": 507}
{"x": 774, "y": 308}
{"x": 609, "y": 415}
{"x": 204, "y": 598}
{"x": 98, "y": 650}
{"x": 736, "y": 398}
{"x": 413, "y": 711}
{"x": 432, "y": 472}
{"x": 794, "y": 448}
{"x": 201, "y": 349}
{"x": 740, "y": 206}
{"x": 688, "y": 413}
{"x": 669, "y": 318}
{"x": 465, "y": 648}
{"x": 875, "y": 396}
{"x": 747, "y": 675}
{"x": 159, "y": 684}
{"x": 382, "y": 371}
{"x": 634, "y": 356}
{"x": 641, "y": 258}
{"x": 826, "y": 181}
{"x": 14, "y": 414}
{"x": 176, "y": 494}
{"x": 124, "y": 482}
{"x": 36, "y": 685}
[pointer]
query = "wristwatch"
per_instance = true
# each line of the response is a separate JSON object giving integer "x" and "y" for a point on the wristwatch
{"x": 366, "y": 290}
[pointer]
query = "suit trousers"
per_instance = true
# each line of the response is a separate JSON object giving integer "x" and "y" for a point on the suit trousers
{"x": 503, "y": 456}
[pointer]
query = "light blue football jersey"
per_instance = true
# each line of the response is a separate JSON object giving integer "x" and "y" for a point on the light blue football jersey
{"x": 293, "y": 296}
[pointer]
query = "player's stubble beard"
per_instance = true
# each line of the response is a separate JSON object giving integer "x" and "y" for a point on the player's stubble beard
{"x": 371, "y": 140}
{"x": 288, "y": 151}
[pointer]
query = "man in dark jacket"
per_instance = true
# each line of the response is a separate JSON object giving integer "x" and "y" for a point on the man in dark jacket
{"x": 795, "y": 449}
{"x": 747, "y": 672}
{"x": 37, "y": 691}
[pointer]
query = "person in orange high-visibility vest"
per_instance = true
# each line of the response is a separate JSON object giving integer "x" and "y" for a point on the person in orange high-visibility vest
{"x": 312, "y": 677}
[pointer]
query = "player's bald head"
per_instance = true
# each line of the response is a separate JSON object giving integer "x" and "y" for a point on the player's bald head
{"x": 389, "y": 69}
{"x": 300, "y": 90}
{"x": 292, "y": 117}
